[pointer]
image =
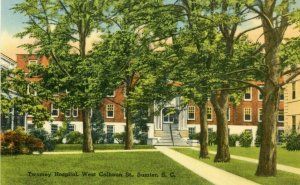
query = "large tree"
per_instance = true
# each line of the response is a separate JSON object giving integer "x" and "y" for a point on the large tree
{"x": 61, "y": 29}
{"x": 274, "y": 17}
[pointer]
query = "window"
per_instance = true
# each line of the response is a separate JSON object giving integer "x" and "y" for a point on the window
{"x": 209, "y": 114}
{"x": 31, "y": 126}
{"x": 68, "y": 112}
{"x": 228, "y": 114}
{"x": 75, "y": 112}
{"x": 169, "y": 116}
{"x": 54, "y": 110}
{"x": 110, "y": 133}
{"x": 280, "y": 135}
{"x": 294, "y": 90}
{"x": 280, "y": 116}
{"x": 192, "y": 130}
{"x": 260, "y": 96}
{"x": 281, "y": 95}
{"x": 54, "y": 128}
{"x": 210, "y": 130}
{"x": 247, "y": 114}
{"x": 112, "y": 94}
{"x": 294, "y": 123}
{"x": 248, "y": 94}
{"x": 191, "y": 113}
{"x": 110, "y": 111}
{"x": 259, "y": 115}
{"x": 32, "y": 62}
{"x": 71, "y": 127}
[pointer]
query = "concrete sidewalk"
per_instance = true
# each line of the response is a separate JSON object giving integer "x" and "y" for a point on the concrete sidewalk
{"x": 279, "y": 166}
{"x": 208, "y": 172}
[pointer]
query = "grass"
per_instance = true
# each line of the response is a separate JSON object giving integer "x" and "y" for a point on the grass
{"x": 15, "y": 169}
{"x": 78, "y": 147}
{"x": 246, "y": 170}
{"x": 290, "y": 158}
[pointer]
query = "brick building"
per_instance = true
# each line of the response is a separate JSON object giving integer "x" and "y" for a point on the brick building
{"x": 244, "y": 116}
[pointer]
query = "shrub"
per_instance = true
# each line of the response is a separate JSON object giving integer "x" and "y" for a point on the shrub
{"x": 98, "y": 136}
{"x": 245, "y": 139}
{"x": 212, "y": 138}
{"x": 142, "y": 137}
{"x": 293, "y": 141}
{"x": 74, "y": 137}
{"x": 195, "y": 136}
{"x": 120, "y": 137}
{"x": 233, "y": 138}
{"x": 19, "y": 142}
{"x": 47, "y": 139}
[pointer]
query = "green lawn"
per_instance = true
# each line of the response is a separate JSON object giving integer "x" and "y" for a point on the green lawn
{"x": 291, "y": 158}
{"x": 72, "y": 147}
{"x": 246, "y": 170}
{"x": 14, "y": 170}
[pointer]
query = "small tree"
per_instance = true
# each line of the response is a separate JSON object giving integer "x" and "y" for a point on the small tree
{"x": 245, "y": 139}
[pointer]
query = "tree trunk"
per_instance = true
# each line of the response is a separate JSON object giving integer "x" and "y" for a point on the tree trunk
{"x": 129, "y": 129}
{"x": 87, "y": 131}
{"x": 273, "y": 36}
{"x": 220, "y": 104}
{"x": 204, "y": 130}
{"x": 267, "y": 156}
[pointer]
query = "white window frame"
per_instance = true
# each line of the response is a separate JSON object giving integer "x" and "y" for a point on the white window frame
{"x": 75, "y": 109}
{"x": 32, "y": 61}
{"x": 193, "y": 111}
{"x": 228, "y": 114}
{"x": 258, "y": 115}
{"x": 52, "y": 111}
{"x": 113, "y": 110}
{"x": 57, "y": 127}
{"x": 124, "y": 113}
{"x": 113, "y": 95}
{"x": 28, "y": 91}
{"x": 250, "y": 94}
{"x": 279, "y": 121}
{"x": 250, "y": 115}
{"x": 210, "y": 113}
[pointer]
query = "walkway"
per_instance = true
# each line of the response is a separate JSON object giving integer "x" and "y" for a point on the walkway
{"x": 279, "y": 166}
{"x": 208, "y": 172}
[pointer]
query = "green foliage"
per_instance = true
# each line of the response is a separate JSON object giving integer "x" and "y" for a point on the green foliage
{"x": 74, "y": 137}
{"x": 19, "y": 142}
{"x": 61, "y": 132}
{"x": 48, "y": 140}
{"x": 195, "y": 136}
{"x": 259, "y": 133}
{"x": 212, "y": 138}
{"x": 233, "y": 138}
{"x": 98, "y": 134}
{"x": 293, "y": 141}
{"x": 120, "y": 137}
{"x": 245, "y": 139}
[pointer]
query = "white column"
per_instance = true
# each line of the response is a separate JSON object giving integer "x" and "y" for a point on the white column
{"x": 183, "y": 119}
{"x": 157, "y": 118}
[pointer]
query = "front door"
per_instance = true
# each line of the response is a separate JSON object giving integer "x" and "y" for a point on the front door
{"x": 168, "y": 116}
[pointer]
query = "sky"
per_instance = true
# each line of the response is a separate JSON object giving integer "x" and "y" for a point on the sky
{"x": 12, "y": 23}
